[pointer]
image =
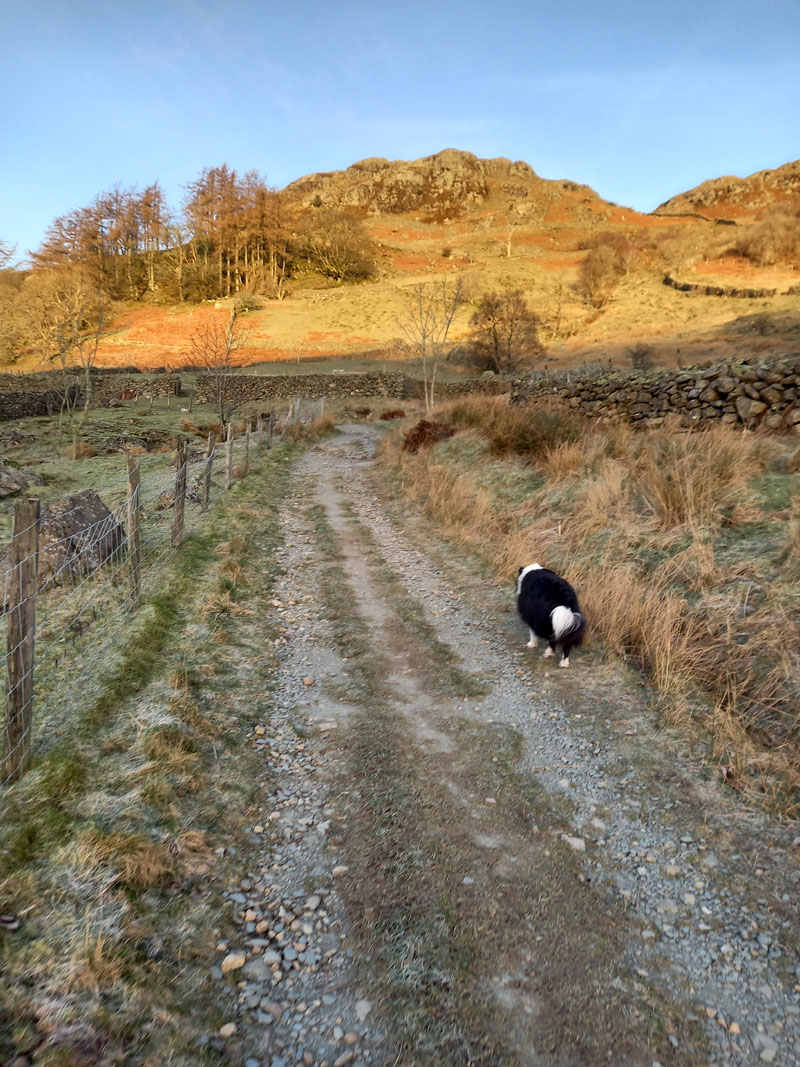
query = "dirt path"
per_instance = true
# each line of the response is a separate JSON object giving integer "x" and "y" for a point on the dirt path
{"x": 479, "y": 859}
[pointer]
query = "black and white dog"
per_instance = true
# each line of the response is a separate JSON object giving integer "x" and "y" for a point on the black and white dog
{"x": 549, "y": 607}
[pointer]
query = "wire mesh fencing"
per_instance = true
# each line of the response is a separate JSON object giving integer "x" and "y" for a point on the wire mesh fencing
{"x": 76, "y": 570}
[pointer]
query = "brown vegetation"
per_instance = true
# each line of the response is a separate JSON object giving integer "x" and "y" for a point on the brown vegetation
{"x": 425, "y": 434}
{"x": 671, "y": 540}
{"x": 238, "y": 240}
{"x": 504, "y": 332}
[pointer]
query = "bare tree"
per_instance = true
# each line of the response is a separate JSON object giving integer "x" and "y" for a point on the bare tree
{"x": 504, "y": 331}
{"x": 599, "y": 273}
{"x": 65, "y": 318}
{"x": 337, "y": 245}
{"x": 213, "y": 348}
{"x": 6, "y": 253}
{"x": 426, "y": 324}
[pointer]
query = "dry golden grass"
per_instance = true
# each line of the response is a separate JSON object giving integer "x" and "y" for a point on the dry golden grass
{"x": 699, "y": 479}
{"x": 135, "y": 861}
{"x": 312, "y": 431}
{"x": 631, "y": 519}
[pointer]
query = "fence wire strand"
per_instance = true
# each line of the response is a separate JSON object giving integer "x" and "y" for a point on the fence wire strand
{"x": 84, "y": 595}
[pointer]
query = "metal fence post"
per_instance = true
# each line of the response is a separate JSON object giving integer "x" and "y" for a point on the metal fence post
{"x": 21, "y": 633}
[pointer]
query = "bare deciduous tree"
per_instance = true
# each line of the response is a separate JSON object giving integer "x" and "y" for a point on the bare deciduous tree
{"x": 426, "y": 324}
{"x": 337, "y": 245}
{"x": 6, "y": 253}
{"x": 65, "y": 317}
{"x": 504, "y": 331}
{"x": 213, "y": 349}
{"x": 599, "y": 273}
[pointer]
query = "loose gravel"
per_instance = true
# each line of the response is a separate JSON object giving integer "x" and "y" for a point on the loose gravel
{"x": 713, "y": 886}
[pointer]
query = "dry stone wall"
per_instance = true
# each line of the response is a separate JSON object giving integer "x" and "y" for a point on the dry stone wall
{"x": 274, "y": 388}
{"x": 747, "y": 393}
{"x": 718, "y": 290}
{"x": 26, "y": 395}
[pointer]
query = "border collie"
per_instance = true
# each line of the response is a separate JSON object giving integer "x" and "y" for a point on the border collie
{"x": 549, "y": 607}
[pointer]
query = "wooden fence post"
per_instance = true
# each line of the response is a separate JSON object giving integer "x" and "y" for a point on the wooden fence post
{"x": 134, "y": 537}
{"x": 207, "y": 479}
{"x": 179, "y": 503}
{"x": 247, "y": 448}
{"x": 271, "y": 421}
{"x": 229, "y": 458}
{"x": 21, "y": 631}
{"x": 260, "y": 433}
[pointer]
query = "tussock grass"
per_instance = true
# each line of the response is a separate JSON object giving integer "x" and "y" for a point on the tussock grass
{"x": 132, "y": 860}
{"x": 699, "y": 479}
{"x": 104, "y": 842}
{"x": 316, "y": 430}
{"x": 512, "y": 429}
{"x": 682, "y": 546}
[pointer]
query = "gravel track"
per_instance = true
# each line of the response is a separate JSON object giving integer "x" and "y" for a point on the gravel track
{"x": 713, "y": 887}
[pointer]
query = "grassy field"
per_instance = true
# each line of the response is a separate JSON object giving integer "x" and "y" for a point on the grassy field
{"x": 683, "y": 548}
{"x": 109, "y": 846}
{"x": 139, "y": 425}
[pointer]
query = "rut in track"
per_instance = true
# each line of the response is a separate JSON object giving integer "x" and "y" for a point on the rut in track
{"x": 521, "y": 876}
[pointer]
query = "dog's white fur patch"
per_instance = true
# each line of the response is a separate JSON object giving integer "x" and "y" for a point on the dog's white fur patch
{"x": 564, "y": 621}
{"x": 532, "y": 642}
{"x": 524, "y": 571}
{"x": 548, "y": 653}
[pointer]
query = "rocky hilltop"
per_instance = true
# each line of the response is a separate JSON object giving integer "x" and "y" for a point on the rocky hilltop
{"x": 448, "y": 184}
{"x": 734, "y": 196}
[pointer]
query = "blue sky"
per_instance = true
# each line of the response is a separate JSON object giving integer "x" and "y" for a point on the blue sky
{"x": 641, "y": 100}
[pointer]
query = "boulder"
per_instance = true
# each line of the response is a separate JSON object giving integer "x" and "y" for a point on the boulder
{"x": 77, "y": 535}
{"x": 12, "y": 479}
{"x": 748, "y": 408}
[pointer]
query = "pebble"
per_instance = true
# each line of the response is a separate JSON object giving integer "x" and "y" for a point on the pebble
{"x": 227, "y": 1030}
{"x": 233, "y": 962}
{"x": 723, "y": 957}
{"x": 576, "y": 843}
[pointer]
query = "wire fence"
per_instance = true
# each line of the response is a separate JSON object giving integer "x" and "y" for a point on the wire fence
{"x": 76, "y": 570}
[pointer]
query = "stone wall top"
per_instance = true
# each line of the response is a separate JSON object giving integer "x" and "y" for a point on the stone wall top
{"x": 748, "y": 392}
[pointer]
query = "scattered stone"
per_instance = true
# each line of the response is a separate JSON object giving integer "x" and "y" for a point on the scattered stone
{"x": 766, "y": 1047}
{"x": 234, "y": 961}
{"x": 227, "y": 1030}
{"x": 363, "y": 1008}
{"x": 576, "y": 843}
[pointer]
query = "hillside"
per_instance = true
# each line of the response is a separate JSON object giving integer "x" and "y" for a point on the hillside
{"x": 499, "y": 225}
{"x": 734, "y": 197}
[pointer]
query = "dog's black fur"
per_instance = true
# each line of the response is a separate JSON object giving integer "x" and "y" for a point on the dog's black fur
{"x": 541, "y": 595}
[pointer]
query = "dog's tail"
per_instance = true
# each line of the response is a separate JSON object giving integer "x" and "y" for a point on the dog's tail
{"x": 567, "y": 623}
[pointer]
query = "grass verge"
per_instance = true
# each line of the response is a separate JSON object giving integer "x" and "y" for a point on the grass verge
{"x": 680, "y": 546}
{"x": 108, "y": 847}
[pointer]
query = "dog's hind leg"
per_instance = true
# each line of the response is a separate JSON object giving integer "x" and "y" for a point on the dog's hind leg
{"x": 549, "y": 651}
{"x": 564, "y": 660}
{"x": 532, "y": 642}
